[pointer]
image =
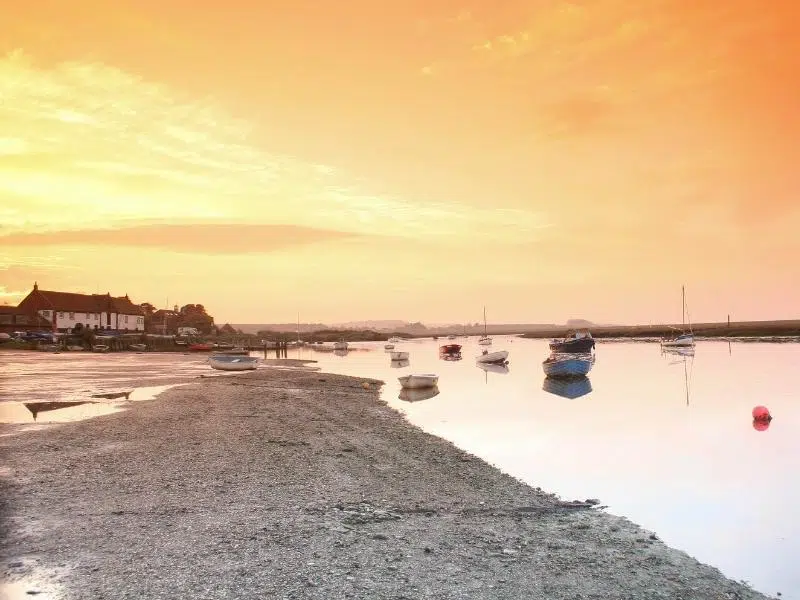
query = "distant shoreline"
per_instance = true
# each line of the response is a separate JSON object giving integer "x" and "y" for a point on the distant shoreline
{"x": 742, "y": 329}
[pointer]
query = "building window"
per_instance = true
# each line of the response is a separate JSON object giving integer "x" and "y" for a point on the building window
{"x": 61, "y": 315}
{"x": 95, "y": 317}
{"x": 46, "y": 314}
{"x": 126, "y": 318}
{"x": 71, "y": 315}
{"x": 6, "y": 319}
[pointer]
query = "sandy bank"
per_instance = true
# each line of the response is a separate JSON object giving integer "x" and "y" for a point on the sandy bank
{"x": 301, "y": 484}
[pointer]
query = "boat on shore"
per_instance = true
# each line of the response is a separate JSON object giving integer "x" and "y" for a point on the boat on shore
{"x": 577, "y": 342}
{"x": 418, "y": 381}
{"x": 138, "y": 347}
{"x": 228, "y": 362}
{"x": 398, "y": 355}
{"x": 497, "y": 357}
{"x": 100, "y": 348}
{"x": 568, "y": 365}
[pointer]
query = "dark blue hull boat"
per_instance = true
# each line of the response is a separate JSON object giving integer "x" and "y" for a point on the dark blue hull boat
{"x": 573, "y": 346}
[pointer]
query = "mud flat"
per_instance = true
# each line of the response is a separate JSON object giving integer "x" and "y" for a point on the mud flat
{"x": 301, "y": 484}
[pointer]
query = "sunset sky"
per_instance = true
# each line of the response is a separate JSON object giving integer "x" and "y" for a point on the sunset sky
{"x": 357, "y": 159}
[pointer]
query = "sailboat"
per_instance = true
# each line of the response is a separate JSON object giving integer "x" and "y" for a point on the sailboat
{"x": 684, "y": 339}
{"x": 484, "y": 340}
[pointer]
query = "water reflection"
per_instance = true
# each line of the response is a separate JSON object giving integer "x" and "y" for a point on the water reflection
{"x": 37, "y": 407}
{"x": 415, "y": 395}
{"x": 567, "y": 388}
{"x": 687, "y": 360}
{"x": 340, "y": 352}
{"x": 493, "y": 368}
{"x": 399, "y": 364}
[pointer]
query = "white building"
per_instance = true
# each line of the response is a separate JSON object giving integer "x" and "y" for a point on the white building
{"x": 66, "y": 310}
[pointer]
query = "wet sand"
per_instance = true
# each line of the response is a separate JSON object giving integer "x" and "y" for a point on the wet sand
{"x": 293, "y": 483}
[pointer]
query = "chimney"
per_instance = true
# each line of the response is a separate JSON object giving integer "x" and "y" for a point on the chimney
{"x": 35, "y": 286}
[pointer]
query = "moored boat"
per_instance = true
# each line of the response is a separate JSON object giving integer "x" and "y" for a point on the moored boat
{"x": 200, "y": 348}
{"x": 450, "y": 349}
{"x": 568, "y": 365}
{"x": 100, "y": 348}
{"x": 340, "y": 345}
{"x": 684, "y": 339}
{"x": 497, "y": 357}
{"x": 577, "y": 342}
{"x": 388, "y": 347}
{"x": 229, "y": 362}
{"x": 394, "y": 340}
{"x": 418, "y": 381}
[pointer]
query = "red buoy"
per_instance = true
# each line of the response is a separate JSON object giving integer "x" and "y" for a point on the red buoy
{"x": 761, "y": 413}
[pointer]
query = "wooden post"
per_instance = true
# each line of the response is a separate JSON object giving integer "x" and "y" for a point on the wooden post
{"x": 729, "y": 321}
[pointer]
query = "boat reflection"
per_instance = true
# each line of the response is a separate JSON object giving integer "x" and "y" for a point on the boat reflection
{"x": 443, "y": 356}
{"x": 399, "y": 364}
{"x": 415, "y": 395}
{"x": 574, "y": 387}
{"x": 37, "y": 407}
{"x": 678, "y": 350}
{"x": 340, "y": 352}
{"x": 493, "y": 368}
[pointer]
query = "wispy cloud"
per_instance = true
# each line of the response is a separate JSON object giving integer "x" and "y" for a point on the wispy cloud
{"x": 86, "y": 143}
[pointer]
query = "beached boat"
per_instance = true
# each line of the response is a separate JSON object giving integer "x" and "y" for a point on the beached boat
{"x": 397, "y": 355}
{"x": 138, "y": 347}
{"x": 574, "y": 387}
{"x": 399, "y": 364}
{"x": 100, "y": 348}
{"x": 577, "y": 342}
{"x": 683, "y": 339}
{"x": 418, "y": 381}
{"x": 417, "y": 394}
{"x": 568, "y": 365}
{"x": 341, "y": 345}
{"x": 75, "y": 348}
{"x": 200, "y": 348}
{"x": 497, "y": 357}
{"x": 228, "y": 362}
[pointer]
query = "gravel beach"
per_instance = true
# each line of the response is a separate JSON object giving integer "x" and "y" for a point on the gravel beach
{"x": 293, "y": 483}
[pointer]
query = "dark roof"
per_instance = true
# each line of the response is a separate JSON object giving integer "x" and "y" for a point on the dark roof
{"x": 91, "y": 303}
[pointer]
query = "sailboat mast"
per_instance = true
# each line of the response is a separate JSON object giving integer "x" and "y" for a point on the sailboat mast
{"x": 484, "y": 321}
{"x": 683, "y": 306}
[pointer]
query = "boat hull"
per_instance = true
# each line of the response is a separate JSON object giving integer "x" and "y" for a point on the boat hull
{"x": 416, "y": 382}
{"x": 340, "y": 345}
{"x": 573, "y": 346}
{"x": 682, "y": 341}
{"x": 571, "y": 388}
{"x": 399, "y": 355}
{"x": 568, "y": 366}
{"x": 485, "y": 341}
{"x": 499, "y": 356}
{"x": 227, "y": 362}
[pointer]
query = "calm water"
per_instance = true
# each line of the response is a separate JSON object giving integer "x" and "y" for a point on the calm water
{"x": 666, "y": 441}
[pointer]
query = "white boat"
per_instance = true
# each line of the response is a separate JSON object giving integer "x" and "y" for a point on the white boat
{"x": 388, "y": 347}
{"x": 568, "y": 365}
{"x": 684, "y": 339}
{"x": 418, "y": 381}
{"x": 499, "y": 356}
{"x": 228, "y": 362}
{"x": 399, "y": 355}
{"x": 394, "y": 340}
{"x": 415, "y": 395}
{"x": 484, "y": 340}
{"x": 340, "y": 345}
{"x": 100, "y": 348}
{"x": 138, "y": 347}
{"x": 75, "y": 348}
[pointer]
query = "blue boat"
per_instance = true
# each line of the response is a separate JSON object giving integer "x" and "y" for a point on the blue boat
{"x": 574, "y": 387}
{"x": 568, "y": 365}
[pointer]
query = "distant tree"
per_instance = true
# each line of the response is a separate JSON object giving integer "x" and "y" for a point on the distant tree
{"x": 148, "y": 309}
{"x": 195, "y": 315}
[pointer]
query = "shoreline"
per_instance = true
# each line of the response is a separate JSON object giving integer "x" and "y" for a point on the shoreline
{"x": 304, "y": 484}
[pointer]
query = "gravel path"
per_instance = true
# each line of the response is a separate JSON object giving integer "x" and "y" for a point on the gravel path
{"x": 301, "y": 484}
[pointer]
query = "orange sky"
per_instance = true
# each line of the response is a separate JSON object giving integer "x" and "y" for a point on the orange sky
{"x": 356, "y": 159}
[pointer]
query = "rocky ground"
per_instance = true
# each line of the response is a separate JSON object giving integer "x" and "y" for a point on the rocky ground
{"x": 299, "y": 484}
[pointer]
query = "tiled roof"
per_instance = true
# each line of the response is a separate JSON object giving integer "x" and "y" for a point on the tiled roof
{"x": 91, "y": 303}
